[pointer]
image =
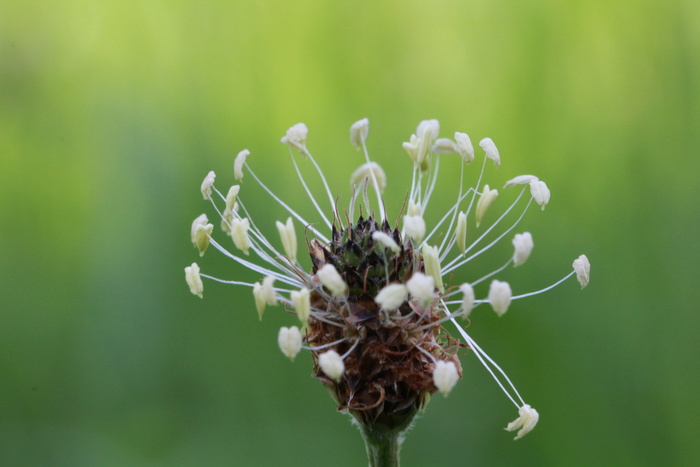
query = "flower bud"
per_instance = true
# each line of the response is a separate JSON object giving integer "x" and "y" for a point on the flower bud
{"x": 431, "y": 259}
{"x": 364, "y": 175}
{"x": 296, "y": 137}
{"x": 487, "y": 198}
{"x": 302, "y": 304}
{"x": 289, "y": 238}
{"x": 461, "y": 232}
{"x": 445, "y": 376}
{"x": 464, "y": 147}
{"x": 207, "y": 184}
{"x": 525, "y": 422}
{"x": 386, "y": 241}
{"x": 391, "y": 296}
{"x": 500, "y": 296}
{"x": 489, "y": 148}
{"x": 523, "y": 247}
{"x": 332, "y": 365}
{"x": 194, "y": 281}
{"x": 540, "y": 192}
{"x": 359, "y": 132}
{"x": 422, "y": 287}
{"x": 238, "y": 164}
{"x": 331, "y": 279}
{"x": 467, "y": 299}
{"x": 239, "y": 233}
{"x": 289, "y": 340}
{"x": 583, "y": 270}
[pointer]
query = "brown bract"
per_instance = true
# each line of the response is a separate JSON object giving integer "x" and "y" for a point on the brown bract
{"x": 388, "y": 374}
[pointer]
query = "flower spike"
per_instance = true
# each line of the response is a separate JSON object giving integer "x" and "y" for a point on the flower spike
{"x": 374, "y": 301}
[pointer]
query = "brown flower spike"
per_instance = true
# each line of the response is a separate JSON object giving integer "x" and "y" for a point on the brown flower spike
{"x": 374, "y": 304}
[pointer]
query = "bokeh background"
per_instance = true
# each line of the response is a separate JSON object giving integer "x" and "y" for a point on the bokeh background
{"x": 111, "y": 113}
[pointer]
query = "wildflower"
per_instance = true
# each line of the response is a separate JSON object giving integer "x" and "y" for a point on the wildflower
{"x": 376, "y": 298}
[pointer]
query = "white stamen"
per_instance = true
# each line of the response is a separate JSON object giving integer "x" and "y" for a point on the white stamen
{"x": 431, "y": 260}
{"x": 367, "y": 172}
{"x": 583, "y": 270}
{"x": 500, "y": 296}
{"x": 289, "y": 238}
{"x": 461, "y": 232}
{"x": 238, "y": 164}
{"x": 331, "y": 279}
{"x": 540, "y": 192}
{"x": 422, "y": 287}
{"x": 467, "y": 299}
{"x": 445, "y": 376}
{"x": 386, "y": 241}
{"x": 289, "y": 341}
{"x": 526, "y": 421}
{"x": 391, "y": 296}
{"x": 332, "y": 365}
{"x": 489, "y": 148}
{"x": 239, "y": 233}
{"x": 520, "y": 180}
{"x": 193, "y": 280}
{"x": 296, "y": 137}
{"x": 488, "y": 196}
{"x": 523, "y": 245}
{"x": 302, "y": 304}
{"x": 207, "y": 184}
{"x": 464, "y": 147}
{"x": 359, "y": 132}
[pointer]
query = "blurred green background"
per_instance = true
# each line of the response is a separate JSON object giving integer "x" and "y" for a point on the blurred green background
{"x": 111, "y": 113}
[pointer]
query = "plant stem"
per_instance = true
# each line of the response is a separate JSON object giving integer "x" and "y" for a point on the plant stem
{"x": 383, "y": 445}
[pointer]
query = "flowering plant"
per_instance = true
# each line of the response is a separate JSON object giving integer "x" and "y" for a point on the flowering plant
{"x": 372, "y": 310}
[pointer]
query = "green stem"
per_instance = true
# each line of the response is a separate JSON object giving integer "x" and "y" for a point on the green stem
{"x": 383, "y": 445}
